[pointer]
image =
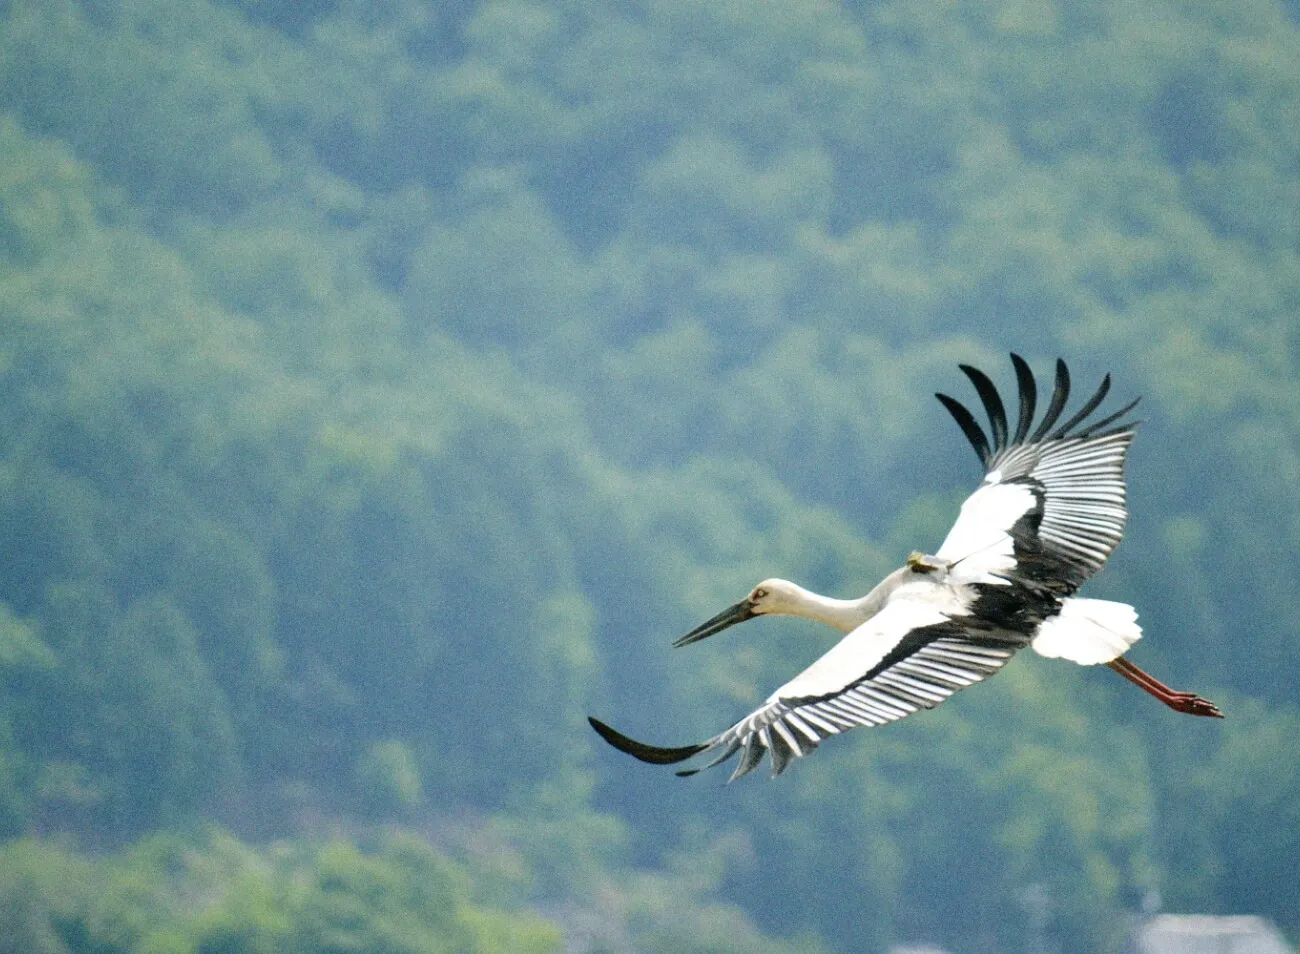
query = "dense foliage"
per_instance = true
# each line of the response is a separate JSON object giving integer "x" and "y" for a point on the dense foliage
{"x": 396, "y": 896}
{"x": 384, "y": 386}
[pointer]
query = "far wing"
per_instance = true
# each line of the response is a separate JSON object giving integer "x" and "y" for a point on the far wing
{"x": 912, "y": 655}
{"x": 1052, "y": 505}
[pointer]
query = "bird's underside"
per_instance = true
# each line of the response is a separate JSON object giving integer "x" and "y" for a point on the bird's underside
{"x": 1049, "y": 512}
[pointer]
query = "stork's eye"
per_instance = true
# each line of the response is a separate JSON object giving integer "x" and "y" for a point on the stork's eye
{"x": 759, "y": 594}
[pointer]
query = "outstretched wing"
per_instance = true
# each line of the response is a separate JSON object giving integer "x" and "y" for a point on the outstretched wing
{"x": 912, "y": 655}
{"x": 1051, "y": 507}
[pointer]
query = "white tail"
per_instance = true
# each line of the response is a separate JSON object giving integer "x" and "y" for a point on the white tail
{"x": 1088, "y": 631}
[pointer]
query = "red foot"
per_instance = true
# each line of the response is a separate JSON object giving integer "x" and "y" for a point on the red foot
{"x": 1186, "y": 702}
{"x": 1193, "y": 704}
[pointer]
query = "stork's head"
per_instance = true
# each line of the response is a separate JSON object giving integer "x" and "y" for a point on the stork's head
{"x": 769, "y": 597}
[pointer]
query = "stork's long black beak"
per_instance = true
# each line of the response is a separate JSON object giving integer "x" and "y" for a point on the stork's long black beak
{"x": 728, "y": 617}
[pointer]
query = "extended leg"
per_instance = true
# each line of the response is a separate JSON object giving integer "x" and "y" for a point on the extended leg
{"x": 1187, "y": 702}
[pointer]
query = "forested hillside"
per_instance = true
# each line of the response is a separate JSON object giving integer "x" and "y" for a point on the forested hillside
{"x": 383, "y": 387}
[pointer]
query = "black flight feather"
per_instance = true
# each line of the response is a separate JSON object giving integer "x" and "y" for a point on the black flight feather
{"x": 974, "y": 433}
{"x": 1028, "y": 397}
{"x": 1092, "y": 429}
{"x": 992, "y": 404}
{"x": 1059, "y": 396}
{"x": 1088, "y": 408}
{"x": 646, "y": 753}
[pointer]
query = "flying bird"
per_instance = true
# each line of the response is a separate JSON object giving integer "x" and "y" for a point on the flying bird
{"x": 1046, "y": 517}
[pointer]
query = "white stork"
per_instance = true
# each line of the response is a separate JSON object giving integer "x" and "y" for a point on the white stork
{"x": 1048, "y": 513}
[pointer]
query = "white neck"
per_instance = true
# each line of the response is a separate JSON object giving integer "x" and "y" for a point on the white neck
{"x": 844, "y": 615}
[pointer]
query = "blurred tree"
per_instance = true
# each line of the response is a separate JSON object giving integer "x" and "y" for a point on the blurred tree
{"x": 408, "y": 376}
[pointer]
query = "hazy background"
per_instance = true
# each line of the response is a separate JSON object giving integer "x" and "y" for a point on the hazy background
{"x": 384, "y": 386}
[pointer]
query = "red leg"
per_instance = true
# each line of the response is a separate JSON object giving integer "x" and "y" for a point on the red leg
{"x": 1187, "y": 702}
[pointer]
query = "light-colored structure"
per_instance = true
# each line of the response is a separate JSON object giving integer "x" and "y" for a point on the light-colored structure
{"x": 1206, "y": 934}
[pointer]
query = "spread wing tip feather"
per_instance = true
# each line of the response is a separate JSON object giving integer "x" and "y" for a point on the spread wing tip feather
{"x": 992, "y": 401}
{"x": 1028, "y": 397}
{"x": 1001, "y": 439}
{"x": 966, "y": 421}
{"x": 655, "y": 755}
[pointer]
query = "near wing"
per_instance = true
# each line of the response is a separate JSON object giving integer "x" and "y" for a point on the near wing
{"x": 1052, "y": 505}
{"x": 911, "y": 655}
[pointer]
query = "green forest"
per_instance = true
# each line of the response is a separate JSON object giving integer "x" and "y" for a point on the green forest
{"x": 383, "y": 387}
